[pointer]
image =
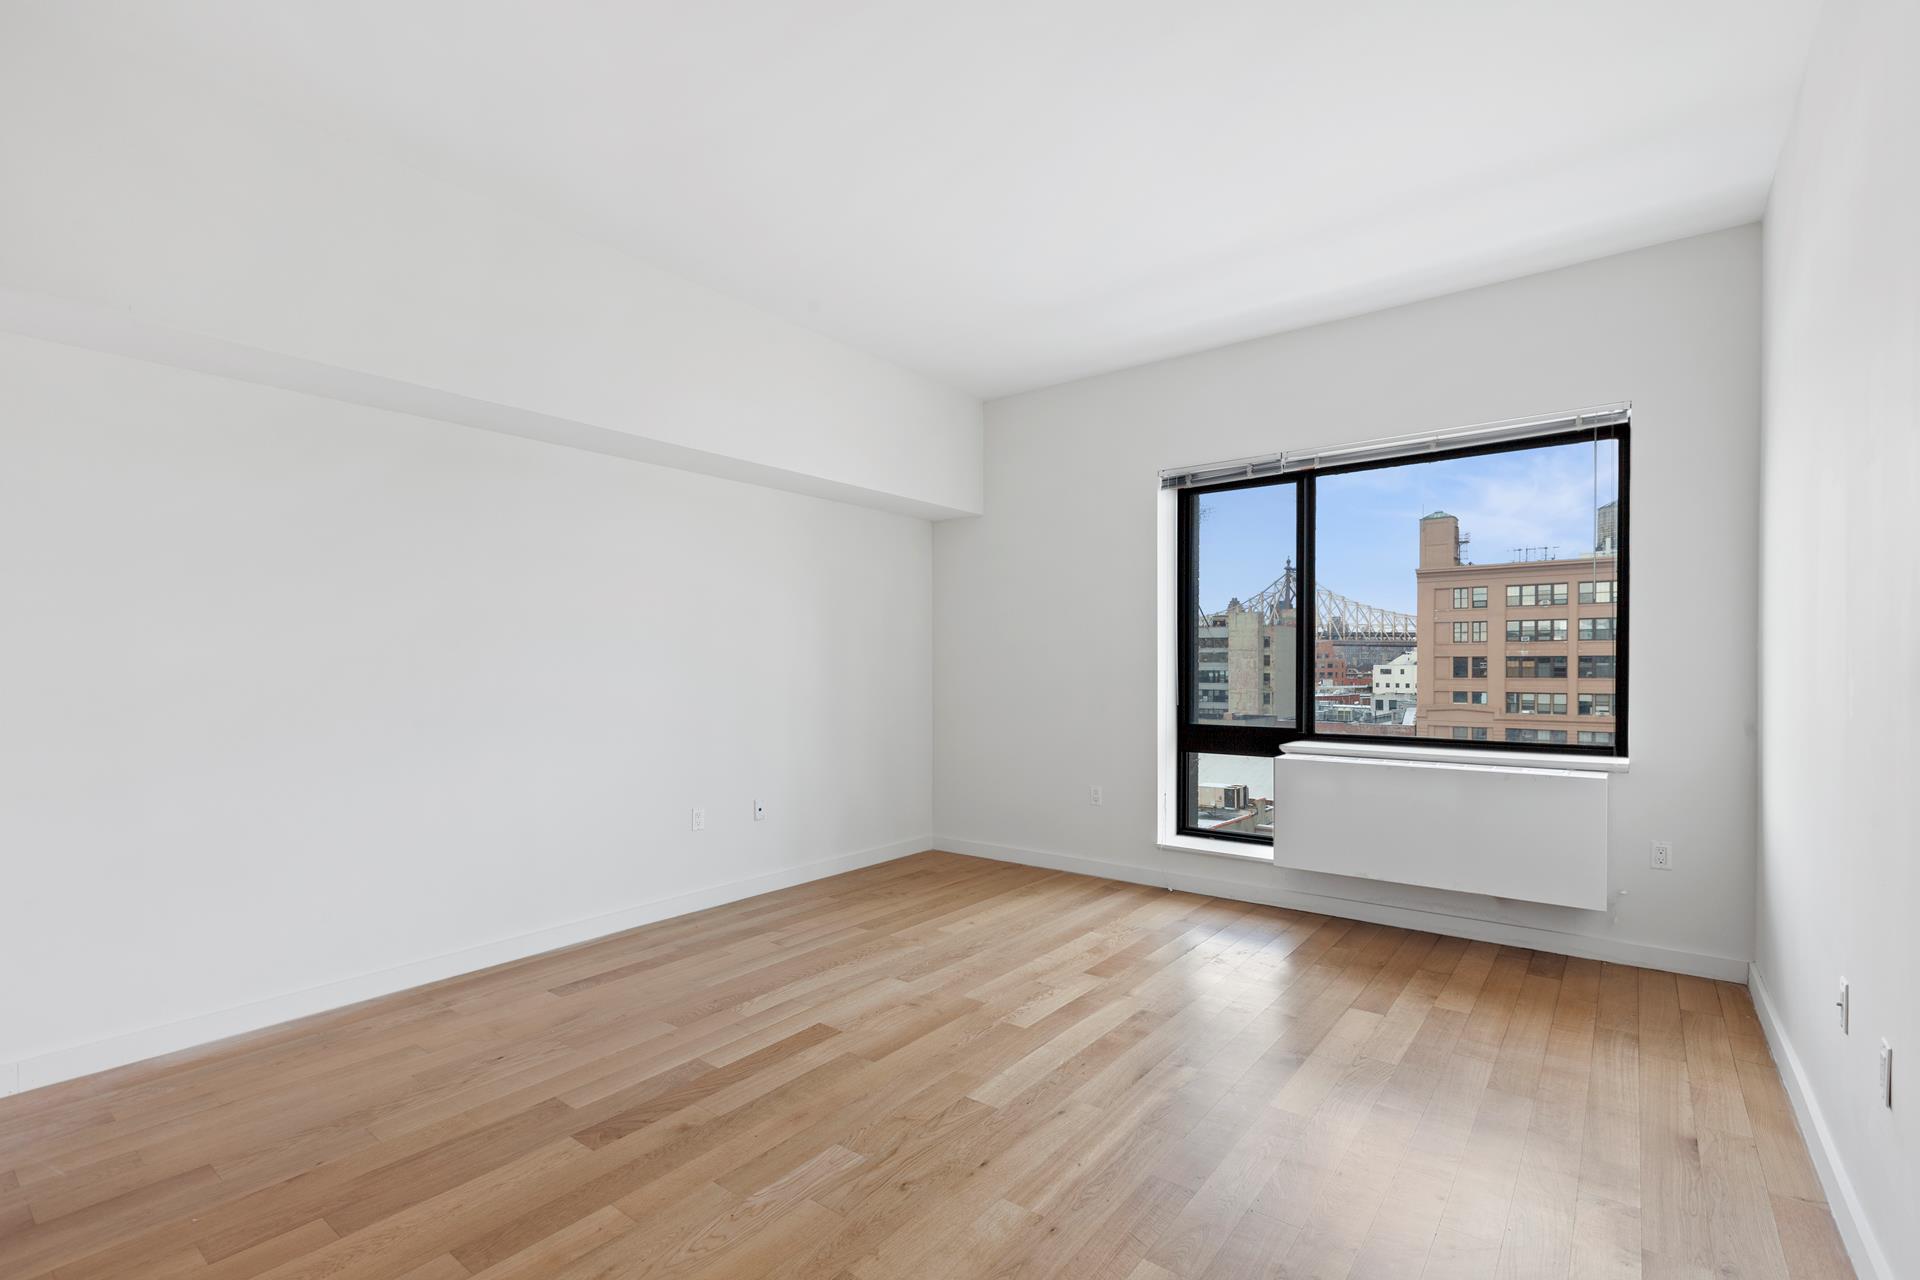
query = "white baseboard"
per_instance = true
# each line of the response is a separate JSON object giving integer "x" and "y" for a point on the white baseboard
{"x": 151, "y": 1042}
{"x": 1645, "y": 955}
{"x": 1863, "y": 1247}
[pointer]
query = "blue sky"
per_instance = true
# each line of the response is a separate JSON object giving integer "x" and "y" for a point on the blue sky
{"x": 1369, "y": 539}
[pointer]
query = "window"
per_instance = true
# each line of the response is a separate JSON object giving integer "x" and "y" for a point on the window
{"x": 1533, "y": 630}
{"x": 1245, "y": 549}
{"x": 1536, "y": 704}
{"x": 1469, "y": 597}
{"x": 1231, "y": 795}
{"x": 1306, "y": 592}
{"x": 1596, "y": 704}
{"x": 1540, "y": 593}
{"x": 1592, "y": 738}
{"x": 1241, "y": 655}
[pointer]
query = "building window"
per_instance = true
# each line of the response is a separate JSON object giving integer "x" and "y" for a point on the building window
{"x": 1536, "y": 704}
{"x": 1596, "y": 704}
{"x": 1556, "y": 736}
{"x": 1302, "y": 607}
{"x": 1594, "y": 738}
{"x": 1596, "y": 628}
{"x": 1597, "y": 593}
{"x": 1536, "y": 593}
{"x": 1534, "y": 630}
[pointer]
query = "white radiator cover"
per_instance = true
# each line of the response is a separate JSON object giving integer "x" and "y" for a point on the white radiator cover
{"x": 1537, "y": 835}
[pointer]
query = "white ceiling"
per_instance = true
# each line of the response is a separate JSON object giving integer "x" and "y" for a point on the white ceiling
{"x": 1008, "y": 193}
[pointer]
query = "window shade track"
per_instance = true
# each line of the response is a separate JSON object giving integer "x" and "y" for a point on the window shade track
{"x": 1407, "y": 446}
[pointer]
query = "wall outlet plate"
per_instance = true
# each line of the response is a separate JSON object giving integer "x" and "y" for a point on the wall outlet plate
{"x": 1662, "y": 856}
{"x": 1094, "y": 796}
{"x": 759, "y": 810}
{"x": 699, "y": 819}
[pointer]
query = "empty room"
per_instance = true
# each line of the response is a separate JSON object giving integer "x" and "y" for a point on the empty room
{"x": 839, "y": 640}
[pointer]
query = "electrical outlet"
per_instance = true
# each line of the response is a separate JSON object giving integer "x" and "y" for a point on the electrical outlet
{"x": 1845, "y": 1005}
{"x": 759, "y": 810}
{"x": 1886, "y": 1074}
{"x": 699, "y": 819}
{"x": 1094, "y": 796}
{"x": 1662, "y": 859}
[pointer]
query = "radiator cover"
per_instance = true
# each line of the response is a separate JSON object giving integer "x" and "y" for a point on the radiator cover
{"x": 1537, "y": 835}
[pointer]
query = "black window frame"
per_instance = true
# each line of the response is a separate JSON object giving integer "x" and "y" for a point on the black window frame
{"x": 1192, "y": 739}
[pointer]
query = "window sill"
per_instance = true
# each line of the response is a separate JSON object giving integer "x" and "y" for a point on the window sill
{"x": 1217, "y": 848}
{"x": 1448, "y": 755}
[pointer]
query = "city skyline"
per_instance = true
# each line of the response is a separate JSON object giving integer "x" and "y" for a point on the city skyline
{"x": 1366, "y": 540}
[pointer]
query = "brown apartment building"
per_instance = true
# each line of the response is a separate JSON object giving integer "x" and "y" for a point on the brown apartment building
{"x": 1522, "y": 651}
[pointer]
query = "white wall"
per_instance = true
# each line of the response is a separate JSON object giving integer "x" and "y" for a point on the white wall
{"x": 306, "y": 701}
{"x": 1045, "y": 607}
{"x": 1840, "y": 747}
{"x": 153, "y": 211}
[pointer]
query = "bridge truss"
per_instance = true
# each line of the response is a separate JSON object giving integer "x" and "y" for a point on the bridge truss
{"x": 1335, "y": 617}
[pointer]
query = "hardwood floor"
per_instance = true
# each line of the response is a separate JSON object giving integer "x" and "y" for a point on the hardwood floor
{"x": 947, "y": 1068}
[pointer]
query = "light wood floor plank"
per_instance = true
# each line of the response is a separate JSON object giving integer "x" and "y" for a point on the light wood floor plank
{"x": 947, "y": 1068}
